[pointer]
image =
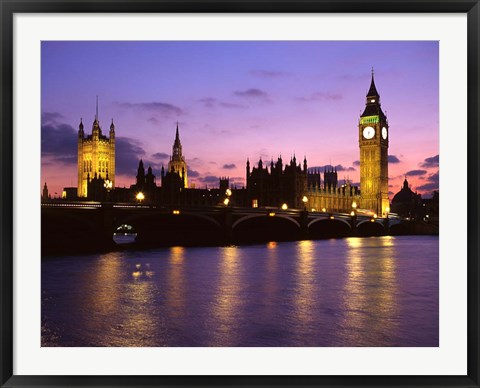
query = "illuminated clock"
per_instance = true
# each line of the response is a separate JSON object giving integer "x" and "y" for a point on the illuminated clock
{"x": 368, "y": 132}
{"x": 384, "y": 133}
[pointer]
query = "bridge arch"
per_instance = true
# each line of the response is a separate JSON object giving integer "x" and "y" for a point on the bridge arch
{"x": 244, "y": 218}
{"x": 329, "y": 228}
{"x": 369, "y": 228}
{"x": 185, "y": 228}
{"x": 319, "y": 219}
{"x": 262, "y": 227}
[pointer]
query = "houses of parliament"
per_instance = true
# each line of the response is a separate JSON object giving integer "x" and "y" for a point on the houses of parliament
{"x": 270, "y": 184}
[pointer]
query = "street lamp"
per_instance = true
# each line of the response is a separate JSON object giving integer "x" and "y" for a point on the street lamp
{"x": 305, "y": 200}
{"x": 108, "y": 184}
{"x": 354, "y": 205}
{"x": 228, "y": 193}
{"x": 140, "y": 197}
{"x": 284, "y": 206}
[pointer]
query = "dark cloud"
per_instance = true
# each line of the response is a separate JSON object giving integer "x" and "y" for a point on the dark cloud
{"x": 321, "y": 96}
{"x": 430, "y": 162}
{"x": 434, "y": 177}
{"x": 338, "y": 167}
{"x": 416, "y": 172}
{"x": 393, "y": 159}
{"x": 252, "y": 93}
{"x": 428, "y": 187}
{"x": 208, "y": 102}
{"x": 59, "y": 142}
{"x": 160, "y": 156}
{"x": 237, "y": 181}
{"x": 128, "y": 153}
{"x": 356, "y": 163}
{"x": 51, "y": 117}
{"x": 269, "y": 73}
{"x": 230, "y": 105}
{"x": 229, "y": 166}
{"x": 192, "y": 173}
{"x": 161, "y": 108}
{"x": 209, "y": 179}
{"x": 153, "y": 120}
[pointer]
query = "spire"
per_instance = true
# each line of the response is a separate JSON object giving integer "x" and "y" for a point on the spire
{"x": 177, "y": 137}
{"x": 112, "y": 126}
{"x": 372, "y": 92}
{"x": 81, "y": 124}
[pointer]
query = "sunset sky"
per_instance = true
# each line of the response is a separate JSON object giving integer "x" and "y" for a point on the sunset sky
{"x": 235, "y": 100}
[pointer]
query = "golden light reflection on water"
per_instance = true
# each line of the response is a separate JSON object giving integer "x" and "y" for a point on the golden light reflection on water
{"x": 370, "y": 291}
{"x": 115, "y": 294}
{"x": 305, "y": 297}
{"x": 103, "y": 289}
{"x": 175, "y": 298}
{"x": 227, "y": 301}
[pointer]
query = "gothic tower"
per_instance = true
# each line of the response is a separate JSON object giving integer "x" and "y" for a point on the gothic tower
{"x": 96, "y": 155}
{"x": 177, "y": 161}
{"x": 373, "y": 138}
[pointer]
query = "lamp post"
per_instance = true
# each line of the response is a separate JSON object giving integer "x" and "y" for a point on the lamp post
{"x": 108, "y": 184}
{"x": 228, "y": 194}
{"x": 387, "y": 226}
{"x": 305, "y": 200}
{"x": 353, "y": 214}
{"x": 140, "y": 197}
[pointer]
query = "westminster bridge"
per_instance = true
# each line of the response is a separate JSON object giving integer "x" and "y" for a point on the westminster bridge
{"x": 70, "y": 227}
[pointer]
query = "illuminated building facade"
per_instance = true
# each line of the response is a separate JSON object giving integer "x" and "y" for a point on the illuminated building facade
{"x": 96, "y": 156}
{"x": 288, "y": 185}
{"x": 373, "y": 137}
{"x": 177, "y": 163}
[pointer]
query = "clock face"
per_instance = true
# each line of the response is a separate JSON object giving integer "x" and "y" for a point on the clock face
{"x": 368, "y": 132}
{"x": 384, "y": 133}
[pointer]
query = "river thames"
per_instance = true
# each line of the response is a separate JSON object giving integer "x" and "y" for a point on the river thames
{"x": 370, "y": 291}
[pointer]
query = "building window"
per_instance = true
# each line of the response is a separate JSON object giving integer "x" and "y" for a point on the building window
{"x": 255, "y": 202}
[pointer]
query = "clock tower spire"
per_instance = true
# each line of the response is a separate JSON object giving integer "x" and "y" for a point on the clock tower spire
{"x": 373, "y": 140}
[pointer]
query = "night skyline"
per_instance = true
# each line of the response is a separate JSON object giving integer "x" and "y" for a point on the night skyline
{"x": 239, "y": 100}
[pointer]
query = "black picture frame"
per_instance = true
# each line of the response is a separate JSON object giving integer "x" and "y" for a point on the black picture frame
{"x": 9, "y": 8}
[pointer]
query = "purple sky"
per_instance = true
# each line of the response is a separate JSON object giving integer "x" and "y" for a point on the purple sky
{"x": 242, "y": 99}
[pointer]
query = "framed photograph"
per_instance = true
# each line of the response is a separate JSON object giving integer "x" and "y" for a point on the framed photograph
{"x": 247, "y": 194}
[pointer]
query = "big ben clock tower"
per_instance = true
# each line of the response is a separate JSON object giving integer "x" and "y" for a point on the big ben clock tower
{"x": 373, "y": 136}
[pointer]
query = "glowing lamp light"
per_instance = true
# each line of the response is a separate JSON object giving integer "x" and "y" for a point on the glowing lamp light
{"x": 352, "y": 213}
{"x": 271, "y": 214}
{"x": 375, "y": 215}
{"x": 354, "y": 204}
{"x": 304, "y": 199}
{"x": 108, "y": 184}
{"x": 332, "y": 217}
{"x": 324, "y": 210}
{"x": 372, "y": 220}
{"x": 226, "y": 201}
{"x": 284, "y": 206}
{"x": 140, "y": 197}
{"x": 387, "y": 209}
{"x": 228, "y": 192}
{"x": 176, "y": 212}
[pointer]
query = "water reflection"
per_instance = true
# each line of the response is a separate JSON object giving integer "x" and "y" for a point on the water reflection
{"x": 305, "y": 297}
{"x": 350, "y": 292}
{"x": 226, "y": 309}
{"x": 175, "y": 298}
{"x": 370, "y": 290}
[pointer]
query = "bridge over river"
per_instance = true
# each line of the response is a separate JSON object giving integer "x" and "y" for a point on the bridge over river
{"x": 89, "y": 226}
